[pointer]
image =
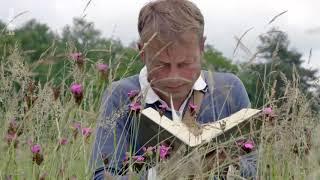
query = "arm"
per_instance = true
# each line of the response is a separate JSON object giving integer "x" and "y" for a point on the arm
{"x": 239, "y": 96}
{"x": 111, "y": 137}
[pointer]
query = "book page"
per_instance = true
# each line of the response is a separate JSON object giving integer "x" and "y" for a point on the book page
{"x": 210, "y": 130}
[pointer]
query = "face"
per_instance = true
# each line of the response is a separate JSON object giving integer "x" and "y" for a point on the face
{"x": 173, "y": 68}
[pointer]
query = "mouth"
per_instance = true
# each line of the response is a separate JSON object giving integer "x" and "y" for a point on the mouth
{"x": 175, "y": 88}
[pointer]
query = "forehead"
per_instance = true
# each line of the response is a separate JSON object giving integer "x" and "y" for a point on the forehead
{"x": 186, "y": 43}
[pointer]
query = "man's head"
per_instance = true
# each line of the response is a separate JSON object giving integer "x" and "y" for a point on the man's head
{"x": 171, "y": 44}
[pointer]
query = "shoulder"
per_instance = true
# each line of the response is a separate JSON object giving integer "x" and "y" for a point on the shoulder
{"x": 227, "y": 88}
{"x": 221, "y": 80}
{"x": 125, "y": 85}
{"x": 117, "y": 91}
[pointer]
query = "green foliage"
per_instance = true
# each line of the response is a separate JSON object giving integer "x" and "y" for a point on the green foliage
{"x": 277, "y": 67}
{"x": 215, "y": 60}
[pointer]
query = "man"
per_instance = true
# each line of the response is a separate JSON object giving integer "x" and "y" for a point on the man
{"x": 171, "y": 46}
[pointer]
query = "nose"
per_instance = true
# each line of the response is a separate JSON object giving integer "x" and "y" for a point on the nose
{"x": 173, "y": 75}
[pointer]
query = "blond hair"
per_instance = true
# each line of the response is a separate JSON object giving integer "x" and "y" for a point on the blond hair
{"x": 168, "y": 19}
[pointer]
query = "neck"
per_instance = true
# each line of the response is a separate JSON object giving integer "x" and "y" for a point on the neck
{"x": 176, "y": 102}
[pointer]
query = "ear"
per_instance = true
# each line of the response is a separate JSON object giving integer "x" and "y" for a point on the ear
{"x": 202, "y": 43}
{"x": 141, "y": 52}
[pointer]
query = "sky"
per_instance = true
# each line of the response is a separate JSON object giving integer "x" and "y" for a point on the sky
{"x": 224, "y": 20}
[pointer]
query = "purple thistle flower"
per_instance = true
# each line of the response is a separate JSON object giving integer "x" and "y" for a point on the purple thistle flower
{"x": 133, "y": 93}
{"x": 138, "y": 159}
{"x": 246, "y": 145}
{"x": 76, "y": 89}
{"x": 35, "y": 149}
{"x": 164, "y": 106}
{"x": 148, "y": 150}
{"x": 192, "y": 107}
{"x": 76, "y": 126}
{"x": 86, "y": 132}
{"x": 268, "y": 112}
{"x": 29, "y": 142}
{"x": 77, "y": 56}
{"x": 135, "y": 106}
{"x": 63, "y": 141}
{"x": 164, "y": 151}
{"x": 102, "y": 67}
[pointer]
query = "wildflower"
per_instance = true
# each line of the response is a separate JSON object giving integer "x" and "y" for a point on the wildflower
{"x": 77, "y": 91}
{"x": 192, "y": 108}
{"x": 86, "y": 132}
{"x": 246, "y": 145}
{"x": 135, "y": 106}
{"x": 29, "y": 142}
{"x": 132, "y": 94}
{"x": 37, "y": 156}
{"x": 36, "y": 149}
{"x": 102, "y": 67}
{"x": 138, "y": 159}
{"x": 63, "y": 141}
{"x": 164, "y": 151}
{"x": 78, "y": 58}
{"x": 126, "y": 159}
{"x": 13, "y": 126}
{"x": 164, "y": 106}
{"x": 76, "y": 128}
{"x": 148, "y": 151}
{"x": 12, "y": 139}
{"x": 267, "y": 111}
{"x": 14, "y": 129}
{"x": 249, "y": 145}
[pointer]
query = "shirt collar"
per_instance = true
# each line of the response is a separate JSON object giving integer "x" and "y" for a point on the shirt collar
{"x": 151, "y": 97}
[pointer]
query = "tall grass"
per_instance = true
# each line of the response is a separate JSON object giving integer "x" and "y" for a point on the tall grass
{"x": 47, "y": 113}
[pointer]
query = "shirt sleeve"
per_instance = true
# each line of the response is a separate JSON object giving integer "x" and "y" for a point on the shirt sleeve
{"x": 239, "y": 96}
{"x": 111, "y": 137}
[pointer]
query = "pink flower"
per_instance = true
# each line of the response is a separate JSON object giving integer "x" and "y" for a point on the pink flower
{"x": 149, "y": 150}
{"x": 135, "y": 106}
{"x": 246, "y": 145}
{"x": 138, "y": 158}
{"x": 11, "y": 137}
{"x": 102, "y": 67}
{"x": 164, "y": 106}
{"x": 192, "y": 107}
{"x": 86, "y": 132}
{"x": 267, "y": 110}
{"x": 76, "y": 89}
{"x": 133, "y": 93}
{"x": 29, "y": 142}
{"x": 77, "y": 56}
{"x": 127, "y": 156}
{"x": 76, "y": 126}
{"x": 63, "y": 141}
{"x": 164, "y": 151}
{"x": 35, "y": 149}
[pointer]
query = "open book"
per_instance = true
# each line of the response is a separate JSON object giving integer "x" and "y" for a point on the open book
{"x": 154, "y": 128}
